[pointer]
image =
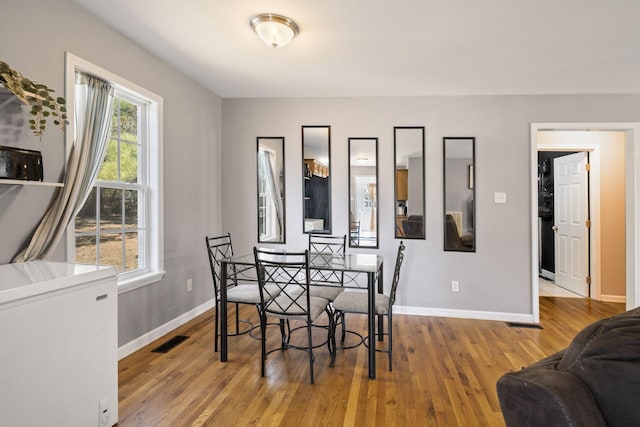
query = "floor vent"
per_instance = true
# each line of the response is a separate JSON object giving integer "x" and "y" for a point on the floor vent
{"x": 524, "y": 325}
{"x": 173, "y": 342}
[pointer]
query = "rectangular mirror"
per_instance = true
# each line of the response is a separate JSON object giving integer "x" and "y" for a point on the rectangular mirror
{"x": 459, "y": 194}
{"x": 363, "y": 191}
{"x": 271, "y": 191}
{"x": 316, "y": 176}
{"x": 408, "y": 147}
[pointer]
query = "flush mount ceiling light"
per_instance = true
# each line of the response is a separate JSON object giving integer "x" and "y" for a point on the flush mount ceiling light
{"x": 274, "y": 30}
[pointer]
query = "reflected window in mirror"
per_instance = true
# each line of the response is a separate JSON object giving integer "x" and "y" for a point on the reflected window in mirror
{"x": 271, "y": 191}
{"x": 363, "y": 192}
{"x": 316, "y": 176}
{"x": 459, "y": 194}
{"x": 408, "y": 143}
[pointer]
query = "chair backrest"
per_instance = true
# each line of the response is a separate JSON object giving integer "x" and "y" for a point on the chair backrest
{"x": 326, "y": 245}
{"x": 396, "y": 274}
{"x": 354, "y": 232}
{"x": 283, "y": 280}
{"x": 452, "y": 237}
{"x": 321, "y": 243}
{"x": 218, "y": 247}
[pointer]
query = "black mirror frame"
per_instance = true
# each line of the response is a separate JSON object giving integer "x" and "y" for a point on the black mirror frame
{"x": 284, "y": 195}
{"x": 377, "y": 210}
{"x": 304, "y": 198}
{"x": 395, "y": 186}
{"x": 471, "y": 184}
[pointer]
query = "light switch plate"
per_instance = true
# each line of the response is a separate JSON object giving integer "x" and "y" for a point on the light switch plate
{"x": 500, "y": 197}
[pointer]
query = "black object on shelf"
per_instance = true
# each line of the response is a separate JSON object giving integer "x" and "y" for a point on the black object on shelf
{"x": 20, "y": 164}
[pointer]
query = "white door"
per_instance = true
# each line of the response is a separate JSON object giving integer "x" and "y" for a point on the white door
{"x": 570, "y": 214}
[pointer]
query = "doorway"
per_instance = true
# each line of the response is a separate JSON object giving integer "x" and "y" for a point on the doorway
{"x": 630, "y": 134}
{"x": 563, "y": 212}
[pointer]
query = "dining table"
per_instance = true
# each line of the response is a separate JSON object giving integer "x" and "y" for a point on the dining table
{"x": 351, "y": 264}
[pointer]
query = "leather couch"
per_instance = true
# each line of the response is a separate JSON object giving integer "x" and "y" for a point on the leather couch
{"x": 593, "y": 382}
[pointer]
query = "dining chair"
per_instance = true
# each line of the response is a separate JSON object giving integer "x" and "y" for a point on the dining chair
{"x": 325, "y": 283}
{"x": 220, "y": 247}
{"x": 358, "y": 302}
{"x": 283, "y": 279}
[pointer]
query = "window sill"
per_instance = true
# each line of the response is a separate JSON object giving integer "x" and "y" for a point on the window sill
{"x": 137, "y": 282}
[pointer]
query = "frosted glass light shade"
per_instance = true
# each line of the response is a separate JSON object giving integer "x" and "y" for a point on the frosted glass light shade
{"x": 274, "y": 30}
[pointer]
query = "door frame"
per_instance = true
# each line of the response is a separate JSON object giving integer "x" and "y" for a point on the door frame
{"x": 632, "y": 214}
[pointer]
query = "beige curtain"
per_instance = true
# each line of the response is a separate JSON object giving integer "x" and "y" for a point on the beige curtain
{"x": 93, "y": 111}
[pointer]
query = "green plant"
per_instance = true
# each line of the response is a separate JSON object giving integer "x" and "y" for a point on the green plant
{"x": 38, "y": 97}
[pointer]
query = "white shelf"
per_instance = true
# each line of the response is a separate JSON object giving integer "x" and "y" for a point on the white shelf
{"x": 25, "y": 182}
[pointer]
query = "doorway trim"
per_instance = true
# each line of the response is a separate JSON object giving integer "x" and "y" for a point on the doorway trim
{"x": 632, "y": 214}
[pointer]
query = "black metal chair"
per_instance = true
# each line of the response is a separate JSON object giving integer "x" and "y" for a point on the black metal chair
{"x": 357, "y": 302}
{"x": 220, "y": 247}
{"x": 283, "y": 278}
{"x": 326, "y": 284}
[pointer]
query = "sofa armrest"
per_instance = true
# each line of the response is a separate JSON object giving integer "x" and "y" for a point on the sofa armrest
{"x": 543, "y": 396}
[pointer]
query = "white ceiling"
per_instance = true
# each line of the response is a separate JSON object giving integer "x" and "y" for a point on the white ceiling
{"x": 350, "y": 48}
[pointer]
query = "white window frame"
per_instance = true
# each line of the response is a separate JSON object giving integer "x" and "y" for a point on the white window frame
{"x": 153, "y": 251}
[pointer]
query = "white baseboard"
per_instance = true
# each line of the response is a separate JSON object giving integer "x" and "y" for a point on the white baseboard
{"x": 613, "y": 298}
{"x": 465, "y": 314}
{"x": 161, "y": 330}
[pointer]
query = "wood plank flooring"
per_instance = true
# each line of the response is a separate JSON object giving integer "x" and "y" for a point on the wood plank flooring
{"x": 444, "y": 374}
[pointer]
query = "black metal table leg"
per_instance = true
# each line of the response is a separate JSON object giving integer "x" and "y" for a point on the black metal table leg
{"x": 223, "y": 311}
{"x": 372, "y": 324}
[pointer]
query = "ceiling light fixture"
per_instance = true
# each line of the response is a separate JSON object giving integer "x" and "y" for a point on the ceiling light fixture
{"x": 274, "y": 30}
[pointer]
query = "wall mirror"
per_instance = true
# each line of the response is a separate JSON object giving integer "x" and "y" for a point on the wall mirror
{"x": 363, "y": 192}
{"x": 459, "y": 194}
{"x": 316, "y": 176}
{"x": 408, "y": 147}
{"x": 271, "y": 191}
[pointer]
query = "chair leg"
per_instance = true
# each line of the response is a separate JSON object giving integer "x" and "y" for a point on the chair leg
{"x": 390, "y": 330}
{"x": 237, "y": 319}
{"x": 283, "y": 334}
{"x": 310, "y": 350}
{"x": 331, "y": 339}
{"x": 217, "y": 333}
{"x": 344, "y": 328}
{"x": 263, "y": 340}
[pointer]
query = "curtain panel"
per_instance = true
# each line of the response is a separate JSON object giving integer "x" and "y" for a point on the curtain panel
{"x": 93, "y": 112}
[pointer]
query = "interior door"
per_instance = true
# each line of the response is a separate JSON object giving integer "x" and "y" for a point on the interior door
{"x": 570, "y": 213}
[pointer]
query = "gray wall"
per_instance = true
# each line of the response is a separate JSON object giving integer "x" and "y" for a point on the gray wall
{"x": 35, "y": 35}
{"x": 494, "y": 279}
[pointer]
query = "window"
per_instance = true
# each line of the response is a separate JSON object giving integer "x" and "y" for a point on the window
{"x": 119, "y": 223}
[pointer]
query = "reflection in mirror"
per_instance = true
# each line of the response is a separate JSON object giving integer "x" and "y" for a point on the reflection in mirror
{"x": 316, "y": 154}
{"x": 363, "y": 190}
{"x": 459, "y": 194}
{"x": 271, "y": 195}
{"x": 409, "y": 175}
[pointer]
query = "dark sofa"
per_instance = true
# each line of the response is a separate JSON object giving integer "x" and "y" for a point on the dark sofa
{"x": 593, "y": 382}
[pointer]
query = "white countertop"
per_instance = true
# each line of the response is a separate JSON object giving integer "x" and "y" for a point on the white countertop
{"x": 27, "y": 279}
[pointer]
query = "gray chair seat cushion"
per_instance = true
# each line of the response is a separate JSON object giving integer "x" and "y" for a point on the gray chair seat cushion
{"x": 357, "y": 302}
{"x": 283, "y": 307}
{"x": 326, "y": 292}
{"x": 247, "y": 294}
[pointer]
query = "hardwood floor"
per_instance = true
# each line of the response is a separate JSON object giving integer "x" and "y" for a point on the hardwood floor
{"x": 444, "y": 374}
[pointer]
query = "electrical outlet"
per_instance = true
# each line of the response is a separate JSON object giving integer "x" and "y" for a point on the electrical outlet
{"x": 455, "y": 286}
{"x": 103, "y": 412}
{"x": 189, "y": 285}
